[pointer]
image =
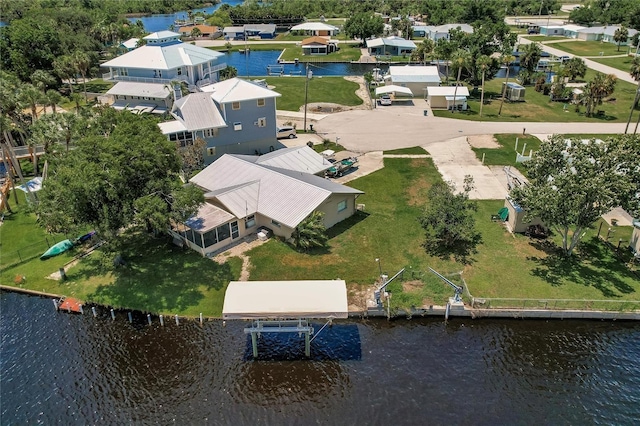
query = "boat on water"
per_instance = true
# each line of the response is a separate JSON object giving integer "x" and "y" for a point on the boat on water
{"x": 57, "y": 249}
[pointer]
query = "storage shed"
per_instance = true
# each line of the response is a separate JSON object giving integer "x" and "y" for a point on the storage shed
{"x": 516, "y": 219}
{"x": 442, "y": 97}
{"x": 634, "y": 244}
{"x": 514, "y": 92}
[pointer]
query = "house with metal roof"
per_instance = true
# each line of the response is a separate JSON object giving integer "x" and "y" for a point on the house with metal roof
{"x": 416, "y": 78}
{"x": 317, "y": 45}
{"x": 232, "y": 116}
{"x": 165, "y": 58}
{"x": 394, "y": 46}
{"x": 436, "y": 32}
{"x": 262, "y": 31}
{"x": 242, "y": 195}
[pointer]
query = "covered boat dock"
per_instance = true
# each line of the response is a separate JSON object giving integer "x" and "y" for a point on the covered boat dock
{"x": 285, "y": 306}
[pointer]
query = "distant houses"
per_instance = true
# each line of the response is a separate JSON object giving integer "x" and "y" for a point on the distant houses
{"x": 233, "y": 117}
{"x": 261, "y": 31}
{"x": 208, "y": 31}
{"x": 600, "y": 33}
{"x": 316, "y": 29}
{"x": 436, "y": 32}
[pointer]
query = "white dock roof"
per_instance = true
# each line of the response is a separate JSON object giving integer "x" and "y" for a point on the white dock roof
{"x": 285, "y": 299}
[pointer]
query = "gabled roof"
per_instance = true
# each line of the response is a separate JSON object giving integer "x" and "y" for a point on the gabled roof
{"x": 237, "y": 90}
{"x": 233, "y": 29}
{"x": 283, "y": 195}
{"x": 297, "y": 158}
{"x": 129, "y": 88}
{"x": 198, "y": 111}
{"x": 131, "y": 43}
{"x": 160, "y": 35}
{"x": 414, "y": 74}
{"x": 313, "y": 26}
{"x": 315, "y": 40}
{"x": 391, "y": 41}
{"x": 164, "y": 57}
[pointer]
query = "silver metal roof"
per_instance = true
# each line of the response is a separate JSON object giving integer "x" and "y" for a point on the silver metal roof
{"x": 158, "y": 57}
{"x": 237, "y": 90}
{"x": 198, "y": 111}
{"x": 283, "y": 195}
{"x": 299, "y": 158}
{"x": 130, "y": 88}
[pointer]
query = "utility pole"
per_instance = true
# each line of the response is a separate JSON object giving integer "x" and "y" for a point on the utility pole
{"x": 306, "y": 94}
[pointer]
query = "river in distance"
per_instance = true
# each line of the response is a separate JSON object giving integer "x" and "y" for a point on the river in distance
{"x": 77, "y": 369}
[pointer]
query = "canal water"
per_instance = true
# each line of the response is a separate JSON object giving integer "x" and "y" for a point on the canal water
{"x": 162, "y": 22}
{"x": 77, "y": 369}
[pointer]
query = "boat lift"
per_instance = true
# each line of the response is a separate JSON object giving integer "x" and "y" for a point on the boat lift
{"x": 457, "y": 290}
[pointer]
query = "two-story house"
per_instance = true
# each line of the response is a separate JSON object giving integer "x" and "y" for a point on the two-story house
{"x": 165, "y": 59}
{"x": 233, "y": 117}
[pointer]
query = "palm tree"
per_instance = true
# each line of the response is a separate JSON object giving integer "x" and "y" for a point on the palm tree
{"x": 505, "y": 59}
{"x": 635, "y": 74}
{"x": 42, "y": 79}
{"x": 310, "y": 233}
{"x": 461, "y": 59}
{"x": 53, "y": 99}
{"x": 81, "y": 63}
{"x": 63, "y": 67}
{"x": 595, "y": 90}
{"x": 228, "y": 72}
{"x": 620, "y": 35}
{"x": 30, "y": 96}
{"x": 483, "y": 63}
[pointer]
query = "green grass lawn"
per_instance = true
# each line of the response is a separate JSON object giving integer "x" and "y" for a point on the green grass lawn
{"x": 97, "y": 85}
{"x": 158, "y": 277}
{"x": 543, "y": 38}
{"x": 589, "y": 48}
{"x": 325, "y": 89}
{"x": 416, "y": 150}
{"x": 538, "y": 108}
{"x": 623, "y": 63}
{"x": 347, "y": 53}
{"x": 506, "y": 265}
{"x": 506, "y": 154}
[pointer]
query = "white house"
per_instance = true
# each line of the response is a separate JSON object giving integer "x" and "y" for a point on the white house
{"x": 416, "y": 78}
{"x": 436, "y": 32}
{"x": 141, "y": 97}
{"x": 242, "y": 195}
{"x": 317, "y": 29}
{"x": 394, "y": 46}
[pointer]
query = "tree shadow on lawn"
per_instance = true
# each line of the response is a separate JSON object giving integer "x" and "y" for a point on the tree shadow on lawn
{"x": 157, "y": 277}
{"x": 594, "y": 265}
{"x": 346, "y": 224}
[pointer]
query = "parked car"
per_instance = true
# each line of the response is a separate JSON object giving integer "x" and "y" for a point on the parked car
{"x": 385, "y": 99}
{"x": 564, "y": 59}
{"x": 285, "y": 132}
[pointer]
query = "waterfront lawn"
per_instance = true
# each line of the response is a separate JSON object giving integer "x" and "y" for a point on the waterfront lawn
{"x": 506, "y": 265}
{"x": 588, "y": 48}
{"x": 326, "y": 89}
{"x": 622, "y": 63}
{"x": 542, "y": 38}
{"x": 538, "y": 108}
{"x": 347, "y": 53}
{"x": 506, "y": 154}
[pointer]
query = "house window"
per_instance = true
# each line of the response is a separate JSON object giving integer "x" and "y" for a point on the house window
{"x": 261, "y": 102}
{"x": 179, "y": 71}
{"x": 210, "y": 238}
{"x": 211, "y": 151}
{"x": 210, "y": 133}
{"x": 250, "y": 221}
{"x": 275, "y": 223}
{"x": 223, "y": 232}
{"x": 235, "y": 105}
{"x": 342, "y": 205}
{"x": 237, "y": 126}
{"x": 262, "y": 122}
{"x": 124, "y": 72}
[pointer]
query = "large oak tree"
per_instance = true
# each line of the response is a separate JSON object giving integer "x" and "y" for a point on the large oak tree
{"x": 124, "y": 173}
{"x": 572, "y": 183}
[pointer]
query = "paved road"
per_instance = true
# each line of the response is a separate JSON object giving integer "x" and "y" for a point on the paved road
{"x": 625, "y": 76}
{"x": 400, "y": 126}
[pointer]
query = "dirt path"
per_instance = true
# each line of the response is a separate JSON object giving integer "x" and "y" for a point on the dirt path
{"x": 239, "y": 250}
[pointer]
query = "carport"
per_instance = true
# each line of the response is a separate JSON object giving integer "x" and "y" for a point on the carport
{"x": 396, "y": 90}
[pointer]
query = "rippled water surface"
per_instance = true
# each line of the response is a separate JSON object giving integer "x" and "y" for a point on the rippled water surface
{"x": 72, "y": 369}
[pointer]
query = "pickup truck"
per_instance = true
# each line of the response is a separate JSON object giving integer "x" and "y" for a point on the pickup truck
{"x": 340, "y": 167}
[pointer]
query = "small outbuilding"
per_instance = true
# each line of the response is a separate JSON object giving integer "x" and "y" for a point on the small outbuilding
{"x": 514, "y": 92}
{"x": 634, "y": 243}
{"x": 447, "y": 97}
{"x": 516, "y": 220}
{"x": 416, "y": 78}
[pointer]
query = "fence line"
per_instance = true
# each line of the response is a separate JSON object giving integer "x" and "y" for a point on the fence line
{"x": 27, "y": 252}
{"x": 555, "y": 304}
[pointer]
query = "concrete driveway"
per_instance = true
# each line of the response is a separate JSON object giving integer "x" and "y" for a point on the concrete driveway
{"x": 454, "y": 159}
